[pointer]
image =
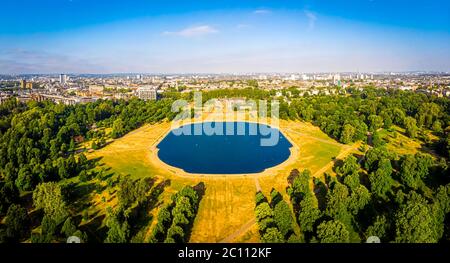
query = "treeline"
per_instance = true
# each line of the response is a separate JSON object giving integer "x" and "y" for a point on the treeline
{"x": 38, "y": 140}
{"x": 275, "y": 221}
{"x": 175, "y": 219}
{"x": 404, "y": 200}
{"x": 349, "y": 117}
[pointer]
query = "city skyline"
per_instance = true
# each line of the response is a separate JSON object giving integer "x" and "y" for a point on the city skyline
{"x": 252, "y": 36}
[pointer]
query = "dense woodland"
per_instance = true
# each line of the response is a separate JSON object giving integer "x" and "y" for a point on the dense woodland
{"x": 38, "y": 148}
{"x": 376, "y": 194}
{"x": 403, "y": 200}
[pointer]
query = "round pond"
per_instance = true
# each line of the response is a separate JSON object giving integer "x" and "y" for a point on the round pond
{"x": 224, "y": 148}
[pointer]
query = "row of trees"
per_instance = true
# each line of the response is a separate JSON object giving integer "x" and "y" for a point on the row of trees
{"x": 175, "y": 219}
{"x": 134, "y": 197}
{"x": 275, "y": 220}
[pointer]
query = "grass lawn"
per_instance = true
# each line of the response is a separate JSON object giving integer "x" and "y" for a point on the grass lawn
{"x": 398, "y": 142}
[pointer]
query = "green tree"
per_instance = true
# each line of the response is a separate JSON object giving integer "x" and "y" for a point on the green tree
{"x": 414, "y": 222}
{"x": 427, "y": 113}
{"x": 48, "y": 229}
{"x": 175, "y": 233}
{"x": 118, "y": 128}
{"x": 352, "y": 180}
{"x": 411, "y": 127}
{"x": 380, "y": 180}
{"x": 8, "y": 195}
{"x": 347, "y": 134}
{"x": 283, "y": 218}
{"x": 118, "y": 232}
{"x": 300, "y": 186}
{"x": 378, "y": 228}
{"x": 266, "y": 223}
{"x": 260, "y": 198}
{"x": 437, "y": 126}
{"x": 349, "y": 166}
{"x": 373, "y": 157}
{"x": 414, "y": 169}
{"x": 375, "y": 122}
{"x": 25, "y": 180}
{"x": 309, "y": 213}
{"x": 337, "y": 202}
{"x": 359, "y": 198}
{"x": 17, "y": 223}
{"x": 48, "y": 196}
{"x": 263, "y": 211}
{"x": 272, "y": 235}
{"x": 333, "y": 231}
{"x": 68, "y": 227}
{"x": 377, "y": 141}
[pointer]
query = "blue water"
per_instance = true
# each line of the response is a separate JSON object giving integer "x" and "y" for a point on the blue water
{"x": 223, "y": 154}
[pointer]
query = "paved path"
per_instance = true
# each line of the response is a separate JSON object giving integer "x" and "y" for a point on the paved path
{"x": 257, "y": 185}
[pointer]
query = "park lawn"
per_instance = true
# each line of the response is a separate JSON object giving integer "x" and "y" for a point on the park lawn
{"x": 229, "y": 202}
{"x": 398, "y": 142}
{"x": 251, "y": 236}
{"x": 227, "y": 205}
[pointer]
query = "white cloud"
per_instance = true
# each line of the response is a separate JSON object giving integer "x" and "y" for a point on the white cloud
{"x": 262, "y": 11}
{"x": 193, "y": 31}
{"x": 312, "y": 18}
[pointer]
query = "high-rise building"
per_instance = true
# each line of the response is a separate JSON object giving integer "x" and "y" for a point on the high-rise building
{"x": 337, "y": 79}
{"x": 63, "y": 78}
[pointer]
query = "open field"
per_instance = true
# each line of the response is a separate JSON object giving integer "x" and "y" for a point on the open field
{"x": 228, "y": 203}
{"x": 398, "y": 142}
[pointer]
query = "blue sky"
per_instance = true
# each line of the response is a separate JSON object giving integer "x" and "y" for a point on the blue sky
{"x": 80, "y": 36}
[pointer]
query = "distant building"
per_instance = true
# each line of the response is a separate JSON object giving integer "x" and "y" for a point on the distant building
{"x": 23, "y": 84}
{"x": 30, "y": 85}
{"x": 96, "y": 89}
{"x": 27, "y": 84}
{"x": 337, "y": 79}
{"x": 3, "y": 97}
{"x": 63, "y": 78}
{"x": 147, "y": 93}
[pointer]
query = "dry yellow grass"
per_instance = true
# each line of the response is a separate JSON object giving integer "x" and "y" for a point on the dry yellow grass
{"x": 400, "y": 144}
{"x": 228, "y": 203}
